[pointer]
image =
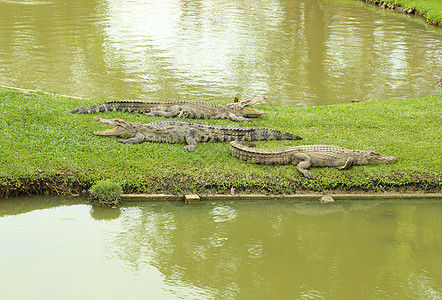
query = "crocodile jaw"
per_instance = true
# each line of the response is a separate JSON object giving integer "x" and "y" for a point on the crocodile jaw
{"x": 243, "y": 107}
{"x": 251, "y": 113}
{"x": 113, "y": 131}
{"x": 387, "y": 159}
{"x": 119, "y": 130}
{"x": 376, "y": 157}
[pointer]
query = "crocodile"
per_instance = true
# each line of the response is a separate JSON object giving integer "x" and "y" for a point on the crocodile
{"x": 305, "y": 156}
{"x": 238, "y": 111}
{"x": 187, "y": 132}
{"x": 439, "y": 83}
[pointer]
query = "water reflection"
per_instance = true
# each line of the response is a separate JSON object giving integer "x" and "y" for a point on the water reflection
{"x": 297, "y": 52}
{"x": 104, "y": 213}
{"x": 252, "y": 250}
{"x": 22, "y": 205}
{"x": 259, "y": 250}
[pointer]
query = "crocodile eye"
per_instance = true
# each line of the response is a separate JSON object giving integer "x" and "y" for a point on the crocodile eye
{"x": 374, "y": 153}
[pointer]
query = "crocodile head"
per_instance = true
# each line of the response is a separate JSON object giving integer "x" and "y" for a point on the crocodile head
{"x": 123, "y": 128}
{"x": 374, "y": 157}
{"x": 247, "y": 112}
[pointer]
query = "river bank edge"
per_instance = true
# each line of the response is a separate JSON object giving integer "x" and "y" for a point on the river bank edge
{"x": 391, "y": 6}
{"x": 321, "y": 197}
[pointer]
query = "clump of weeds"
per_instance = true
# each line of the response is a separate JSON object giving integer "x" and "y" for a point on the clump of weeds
{"x": 106, "y": 193}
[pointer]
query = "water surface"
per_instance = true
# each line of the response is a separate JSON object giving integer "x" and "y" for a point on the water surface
{"x": 59, "y": 248}
{"x": 302, "y": 52}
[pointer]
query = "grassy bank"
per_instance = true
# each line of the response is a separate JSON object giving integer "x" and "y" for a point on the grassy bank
{"x": 45, "y": 149}
{"x": 431, "y": 10}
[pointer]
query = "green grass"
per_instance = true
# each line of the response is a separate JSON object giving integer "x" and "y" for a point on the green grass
{"x": 430, "y": 9}
{"x": 46, "y": 149}
{"x": 105, "y": 193}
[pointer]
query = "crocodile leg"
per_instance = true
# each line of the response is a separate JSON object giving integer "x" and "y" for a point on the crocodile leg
{"x": 139, "y": 138}
{"x": 191, "y": 113}
{"x": 190, "y": 139}
{"x": 178, "y": 111}
{"x": 348, "y": 164}
{"x": 303, "y": 162}
{"x": 161, "y": 113}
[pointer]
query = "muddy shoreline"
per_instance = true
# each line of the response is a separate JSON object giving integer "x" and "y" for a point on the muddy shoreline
{"x": 70, "y": 186}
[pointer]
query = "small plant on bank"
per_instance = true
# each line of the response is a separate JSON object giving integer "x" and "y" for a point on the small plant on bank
{"x": 106, "y": 193}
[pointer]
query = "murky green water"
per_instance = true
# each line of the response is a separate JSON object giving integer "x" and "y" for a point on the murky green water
{"x": 298, "y": 52}
{"x": 59, "y": 249}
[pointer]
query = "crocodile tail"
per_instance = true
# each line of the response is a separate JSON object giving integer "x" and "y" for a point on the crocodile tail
{"x": 109, "y": 106}
{"x": 289, "y": 136}
{"x": 263, "y": 134}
